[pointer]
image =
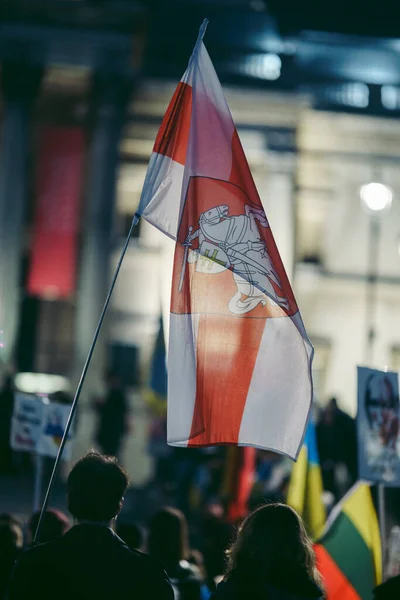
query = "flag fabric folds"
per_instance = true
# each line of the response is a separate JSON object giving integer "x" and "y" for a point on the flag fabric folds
{"x": 305, "y": 487}
{"x": 349, "y": 555}
{"x": 239, "y": 359}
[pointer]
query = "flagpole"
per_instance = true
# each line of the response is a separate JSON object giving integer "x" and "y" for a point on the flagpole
{"x": 135, "y": 221}
{"x": 382, "y": 524}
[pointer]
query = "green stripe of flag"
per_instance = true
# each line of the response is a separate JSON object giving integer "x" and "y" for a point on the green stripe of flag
{"x": 348, "y": 549}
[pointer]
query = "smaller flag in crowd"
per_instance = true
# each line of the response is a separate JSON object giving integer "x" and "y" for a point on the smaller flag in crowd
{"x": 156, "y": 396}
{"x": 158, "y": 373}
{"x": 238, "y": 480}
{"x": 305, "y": 487}
{"x": 349, "y": 555}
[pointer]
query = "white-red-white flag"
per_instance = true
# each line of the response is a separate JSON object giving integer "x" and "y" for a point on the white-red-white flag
{"x": 239, "y": 360}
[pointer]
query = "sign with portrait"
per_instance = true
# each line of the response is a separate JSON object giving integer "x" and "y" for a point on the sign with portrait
{"x": 378, "y": 419}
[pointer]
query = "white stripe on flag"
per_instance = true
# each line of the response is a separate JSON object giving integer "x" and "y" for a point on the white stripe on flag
{"x": 181, "y": 377}
{"x": 280, "y": 372}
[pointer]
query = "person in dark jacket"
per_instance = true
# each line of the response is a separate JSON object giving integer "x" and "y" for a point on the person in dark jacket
{"x": 90, "y": 562}
{"x": 390, "y": 590}
{"x": 271, "y": 559}
{"x": 113, "y": 416}
{"x": 168, "y": 543}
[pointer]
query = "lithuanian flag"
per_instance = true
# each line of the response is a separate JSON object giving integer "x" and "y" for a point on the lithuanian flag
{"x": 305, "y": 487}
{"x": 349, "y": 554}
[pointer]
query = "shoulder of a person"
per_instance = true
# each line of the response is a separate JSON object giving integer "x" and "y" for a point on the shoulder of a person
{"x": 36, "y": 555}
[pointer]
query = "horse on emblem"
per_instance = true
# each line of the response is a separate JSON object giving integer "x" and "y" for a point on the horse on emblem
{"x": 234, "y": 242}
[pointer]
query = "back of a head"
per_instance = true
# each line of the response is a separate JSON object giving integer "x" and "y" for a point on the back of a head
{"x": 10, "y": 518}
{"x": 96, "y": 487}
{"x": 168, "y": 536}
{"x": 54, "y": 524}
{"x": 11, "y": 538}
{"x": 272, "y": 542}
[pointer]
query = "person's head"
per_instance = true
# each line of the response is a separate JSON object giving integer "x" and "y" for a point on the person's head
{"x": 270, "y": 542}
{"x": 132, "y": 534}
{"x": 11, "y": 538}
{"x": 54, "y": 524}
{"x": 168, "y": 536}
{"x": 96, "y": 487}
{"x": 330, "y": 412}
{"x": 9, "y": 518}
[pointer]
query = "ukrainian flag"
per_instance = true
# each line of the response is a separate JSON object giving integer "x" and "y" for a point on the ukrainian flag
{"x": 305, "y": 487}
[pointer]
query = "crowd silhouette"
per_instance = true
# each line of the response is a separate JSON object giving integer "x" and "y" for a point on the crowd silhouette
{"x": 269, "y": 556}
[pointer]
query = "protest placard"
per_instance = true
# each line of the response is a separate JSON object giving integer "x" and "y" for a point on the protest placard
{"x": 27, "y": 423}
{"x": 378, "y": 420}
{"x": 55, "y": 418}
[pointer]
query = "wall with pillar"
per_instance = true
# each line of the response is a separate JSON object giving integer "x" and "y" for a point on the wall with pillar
{"x": 337, "y": 154}
{"x": 19, "y": 88}
{"x": 334, "y": 309}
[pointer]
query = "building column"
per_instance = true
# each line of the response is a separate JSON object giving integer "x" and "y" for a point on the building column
{"x": 109, "y": 98}
{"x": 279, "y": 203}
{"x": 20, "y": 85}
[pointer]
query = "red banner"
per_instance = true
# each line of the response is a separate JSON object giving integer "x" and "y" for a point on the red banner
{"x": 54, "y": 245}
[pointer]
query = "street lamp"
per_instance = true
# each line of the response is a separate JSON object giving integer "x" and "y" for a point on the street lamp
{"x": 376, "y": 200}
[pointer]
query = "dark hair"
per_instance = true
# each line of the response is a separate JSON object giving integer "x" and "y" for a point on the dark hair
{"x": 272, "y": 543}
{"x": 9, "y": 518}
{"x": 132, "y": 534}
{"x": 55, "y": 523}
{"x": 11, "y": 537}
{"x": 96, "y": 487}
{"x": 168, "y": 536}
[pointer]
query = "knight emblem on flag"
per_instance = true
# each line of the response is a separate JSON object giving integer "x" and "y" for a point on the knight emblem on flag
{"x": 233, "y": 241}
{"x": 228, "y": 242}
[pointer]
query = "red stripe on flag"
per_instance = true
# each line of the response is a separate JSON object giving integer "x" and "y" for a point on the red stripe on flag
{"x": 337, "y": 586}
{"x": 227, "y": 344}
{"x": 227, "y": 349}
{"x": 173, "y": 135}
{"x": 241, "y": 176}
